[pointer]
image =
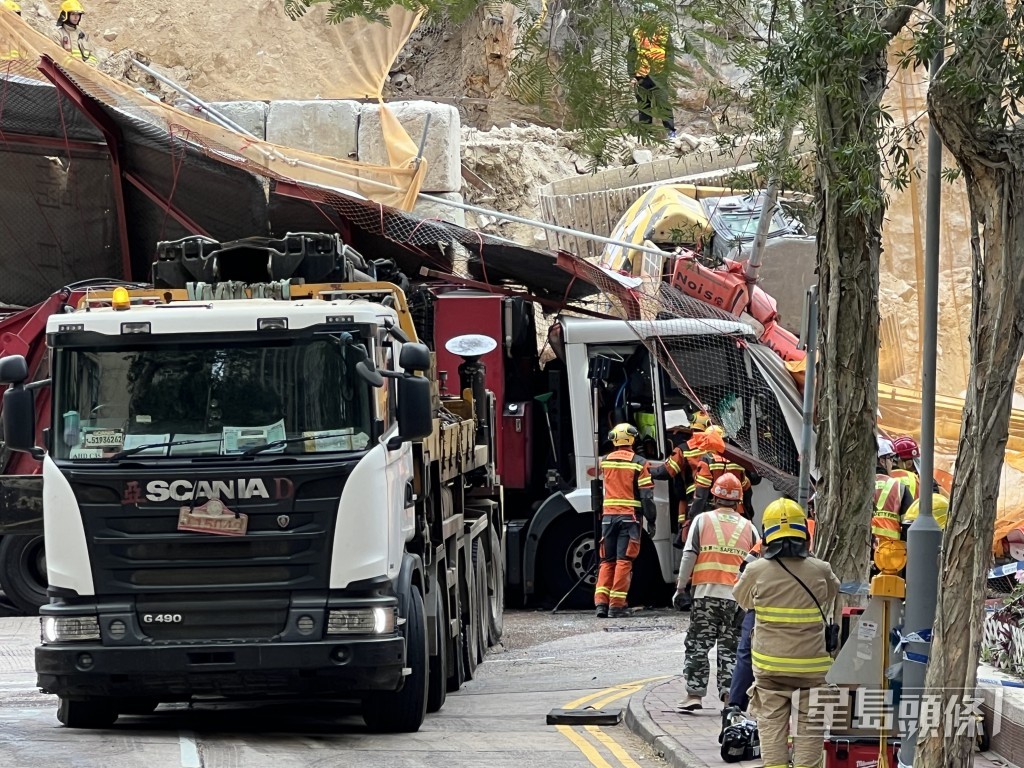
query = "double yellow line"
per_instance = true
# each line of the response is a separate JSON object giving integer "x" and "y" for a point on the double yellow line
{"x": 598, "y": 701}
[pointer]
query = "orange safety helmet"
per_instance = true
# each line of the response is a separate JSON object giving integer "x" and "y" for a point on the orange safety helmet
{"x": 727, "y": 487}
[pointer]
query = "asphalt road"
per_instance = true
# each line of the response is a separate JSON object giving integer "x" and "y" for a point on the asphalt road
{"x": 496, "y": 720}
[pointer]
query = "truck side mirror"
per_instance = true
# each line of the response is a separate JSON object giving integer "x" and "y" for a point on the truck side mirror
{"x": 414, "y": 357}
{"x": 415, "y": 418}
{"x": 13, "y": 369}
{"x": 20, "y": 420}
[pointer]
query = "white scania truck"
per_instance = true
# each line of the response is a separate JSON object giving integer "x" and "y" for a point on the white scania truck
{"x": 252, "y": 488}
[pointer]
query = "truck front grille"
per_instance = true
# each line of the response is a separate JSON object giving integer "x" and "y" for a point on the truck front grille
{"x": 205, "y": 616}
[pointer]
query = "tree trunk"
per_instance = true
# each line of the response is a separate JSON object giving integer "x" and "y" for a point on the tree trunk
{"x": 849, "y": 249}
{"x": 992, "y": 161}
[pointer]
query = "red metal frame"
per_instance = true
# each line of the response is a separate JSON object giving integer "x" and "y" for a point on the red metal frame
{"x": 49, "y": 142}
{"x": 112, "y": 135}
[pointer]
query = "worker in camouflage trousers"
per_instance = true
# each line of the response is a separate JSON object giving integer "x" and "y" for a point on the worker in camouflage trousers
{"x": 717, "y": 544}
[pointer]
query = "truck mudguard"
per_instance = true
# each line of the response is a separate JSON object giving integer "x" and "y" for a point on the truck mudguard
{"x": 411, "y": 565}
{"x": 554, "y": 506}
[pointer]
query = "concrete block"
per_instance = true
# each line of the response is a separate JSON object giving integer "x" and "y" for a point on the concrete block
{"x": 428, "y": 209}
{"x": 442, "y": 149}
{"x": 250, "y": 115}
{"x": 326, "y": 127}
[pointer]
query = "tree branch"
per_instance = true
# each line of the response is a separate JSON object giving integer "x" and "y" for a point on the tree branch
{"x": 896, "y": 19}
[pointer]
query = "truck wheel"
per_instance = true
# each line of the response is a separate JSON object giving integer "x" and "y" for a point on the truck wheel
{"x": 470, "y": 633}
{"x": 495, "y": 591}
{"x": 482, "y": 601}
{"x": 86, "y": 713}
{"x": 23, "y": 572}
{"x": 403, "y": 711}
{"x": 437, "y": 691}
{"x": 567, "y": 554}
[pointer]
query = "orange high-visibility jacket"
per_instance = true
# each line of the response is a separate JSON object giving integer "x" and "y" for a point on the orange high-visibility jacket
{"x": 625, "y": 477}
{"x": 650, "y": 51}
{"x": 885, "y": 523}
{"x": 725, "y": 540}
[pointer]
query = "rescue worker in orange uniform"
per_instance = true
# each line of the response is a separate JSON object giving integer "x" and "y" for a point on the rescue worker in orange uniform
{"x": 788, "y": 590}
{"x": 892, "y": 499}
{"x": 628, "y": 490}
{"x": 718, "y": 542}
{"x": 650, "y": 55}
{"x": 67, "y": 34}
{"x": 905, "y": 469}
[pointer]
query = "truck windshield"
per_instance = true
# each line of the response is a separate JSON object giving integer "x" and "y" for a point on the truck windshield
{"x": 206, "y": 399}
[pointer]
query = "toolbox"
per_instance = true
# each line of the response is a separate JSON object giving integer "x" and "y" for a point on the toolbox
{"x": 845, "y": 752}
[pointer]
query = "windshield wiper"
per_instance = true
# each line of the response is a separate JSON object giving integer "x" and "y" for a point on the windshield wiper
{"x": 289, "y": 440}
{"x": 174, "y": 443}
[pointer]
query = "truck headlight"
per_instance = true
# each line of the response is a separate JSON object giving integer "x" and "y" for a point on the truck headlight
{"x": 361, "y": 621}
{"x": 69, "y": 629}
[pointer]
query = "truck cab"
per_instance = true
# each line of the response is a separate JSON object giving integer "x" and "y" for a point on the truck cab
{"x": 244, "y": 497}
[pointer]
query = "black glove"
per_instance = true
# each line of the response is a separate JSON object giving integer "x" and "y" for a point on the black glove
{"x": 677, "y": 541}
{"x": 81, "y": 35}
{"x": 651, "y": 528}
{"x": 681, "y": 600}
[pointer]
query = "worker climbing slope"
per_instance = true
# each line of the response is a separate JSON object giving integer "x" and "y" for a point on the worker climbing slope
{"x": 628, "y": 490}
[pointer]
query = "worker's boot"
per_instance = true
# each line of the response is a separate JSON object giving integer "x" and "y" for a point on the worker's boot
{"x": 601, "y": 612}
{"x": 619, "y": 612}
{"x": 690, "y": 704}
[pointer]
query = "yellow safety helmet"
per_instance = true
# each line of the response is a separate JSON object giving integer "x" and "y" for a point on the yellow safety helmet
{"x": 71, "y": 6}
{"x": 940, "y": 510}
{"x": 10, "y": 5}
{"x": 700, "y": 421}
{"x": 623, "y": 434}
{"x": 784, "y": 519}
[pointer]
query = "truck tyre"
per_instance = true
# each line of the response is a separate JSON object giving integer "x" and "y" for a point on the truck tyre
{"x": 495, "y": 591}
{"x": 470, "y": 633}
{"x": 566, "y": 554}
{"x": 86, "y": 713}
{"x": 482, "y": 601}
{"x": 437, "y": 691}
{"x": 23, "y": 572}
{"x": 403, "y": 711}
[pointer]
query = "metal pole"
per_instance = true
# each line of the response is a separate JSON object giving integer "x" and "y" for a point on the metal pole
{"x": 807, "y": 432}
{"x": 924, "y": 538}
{"x": 218, "y": 118}
{"x": 771, "y": 195}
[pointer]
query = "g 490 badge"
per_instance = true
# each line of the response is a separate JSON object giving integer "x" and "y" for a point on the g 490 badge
{"x": 213, "y": 517}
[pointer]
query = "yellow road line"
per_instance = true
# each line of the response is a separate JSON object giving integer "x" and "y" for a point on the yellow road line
{"x": 583, "y": 746}
{"x": 613, "y": 746}
{"x": 600, "y": 699}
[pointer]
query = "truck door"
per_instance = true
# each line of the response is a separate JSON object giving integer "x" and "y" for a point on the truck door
{"x": 668, "y": 556}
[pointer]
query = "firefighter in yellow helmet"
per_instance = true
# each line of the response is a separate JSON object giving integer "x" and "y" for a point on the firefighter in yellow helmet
{"x": 628, "y": 492}
{"x": 68, "y": 35}
{"x": 788, "y": 589}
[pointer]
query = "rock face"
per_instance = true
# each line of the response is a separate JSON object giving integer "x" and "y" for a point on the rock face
{"x": 440, "y": 144}
{"x": 325, "y": 127}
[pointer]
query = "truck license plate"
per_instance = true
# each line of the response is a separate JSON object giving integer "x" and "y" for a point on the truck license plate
{"x": 213, "y": 517}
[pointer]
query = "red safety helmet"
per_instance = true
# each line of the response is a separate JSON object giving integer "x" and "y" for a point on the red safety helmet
{"x": 727, "y": 487}
{"x": 906, "y": 448}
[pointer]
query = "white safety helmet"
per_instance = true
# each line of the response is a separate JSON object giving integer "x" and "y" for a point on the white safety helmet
{"x": 885, "y": 448}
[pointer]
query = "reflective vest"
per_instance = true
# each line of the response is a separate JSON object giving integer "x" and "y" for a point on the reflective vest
{"x": 625, "y": 475}
{"x": 650, "y": 51}
{"x": 885, "y": 523}
{"x": 725, "y": 540}
{"x": 909, "y": 479}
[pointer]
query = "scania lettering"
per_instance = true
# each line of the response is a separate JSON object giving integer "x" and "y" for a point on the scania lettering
{"x": 258, "y": 496}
